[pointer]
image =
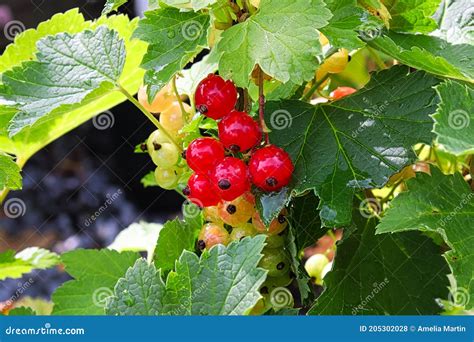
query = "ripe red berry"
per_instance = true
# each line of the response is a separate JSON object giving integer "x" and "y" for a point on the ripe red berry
{"x": 203, "y": 153}
{"x": 215, "y": 97}
{"x": 231, "y": 178}
{"x": 201, "y": 191}
{"x": 270, "y": 168}
{"x": 239, "y": 132}
{"x": 340, "y": 92}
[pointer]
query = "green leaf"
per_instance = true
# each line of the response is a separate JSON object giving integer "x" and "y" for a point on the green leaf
{"x": 139, "y": 237}
{"x": 412, "y": 15}
{"x": 14, "y": 266}
{"x": 112, "y": 6}
{"x": 358, "y": 142}
{"x": 10, "y": 177}
{"x": 191, "y": 77}
{"x": 304, "y": 218}
{"x": 400, "y": 274}
{"x": 302, "y": 279}
{"x": 454, "y": 120}
{"x": 139, "y": 292}
{"x": 270, "y": 204}
{"x": 21, "y": 311}
{"x": 65, "y": 118}
{"x": 224, "y": 281}
{"x": 444, "y": 205}
{"x": 343, "y": 26}
{"x": 431, "y": 54}
{"x": 95, "y": 273}
{"x": 455, "y": 22}
{"x": 174, "y": 38}
{"x": 195, "y": 5}
{"x": 149, "y": 180}
{"x": 176, "y": 237}
{"x": 24, "y": 46}
{"x": 281, "y": 37}
{"x": 92, "y": 58}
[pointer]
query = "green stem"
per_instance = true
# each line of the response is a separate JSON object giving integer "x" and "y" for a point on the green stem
{"x": 178, "y": 97}
{"x": 149, "y": 116}
{"x": 315, "y": 87}
{"x": 380, "y": 63}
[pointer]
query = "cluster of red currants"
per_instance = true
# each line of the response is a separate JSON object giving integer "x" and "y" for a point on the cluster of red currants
{"x": 225, "y": 168}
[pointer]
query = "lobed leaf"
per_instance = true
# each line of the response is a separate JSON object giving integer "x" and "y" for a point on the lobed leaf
{"x": 281, "y": 38}
{"x": 400, "y": 274}
{"x": 444, "y": 205}
{"x": 224, "y": 281}
{"x": 358, "y": 142}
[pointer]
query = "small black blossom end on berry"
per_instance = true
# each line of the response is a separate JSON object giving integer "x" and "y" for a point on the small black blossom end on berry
{"x": 271, "y": 181}
{"x": 201, "y": 245}
{"x": 223, "y": 184}
{"x": 202, "y": 109}
{"x": 231, "y": 209}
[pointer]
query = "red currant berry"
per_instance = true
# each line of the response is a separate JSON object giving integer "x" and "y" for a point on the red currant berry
{"x": 230, "y": 177}
{"x": 215, "y": 97}
{"x": 203, "y": 153}
{"x": 270, "y": 168}
{"x": 201, "y": 191}
{"x": 340, "y": 92}
{"x": 239, "y": 132}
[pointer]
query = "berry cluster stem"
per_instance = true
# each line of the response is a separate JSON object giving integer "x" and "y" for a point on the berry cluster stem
{"x": 184, "y": 113}
{"x": 261, "y": 105}
{"x": 149, "y": 116}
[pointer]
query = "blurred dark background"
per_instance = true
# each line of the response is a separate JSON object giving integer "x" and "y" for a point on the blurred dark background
{"x": 72, "y": 178}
